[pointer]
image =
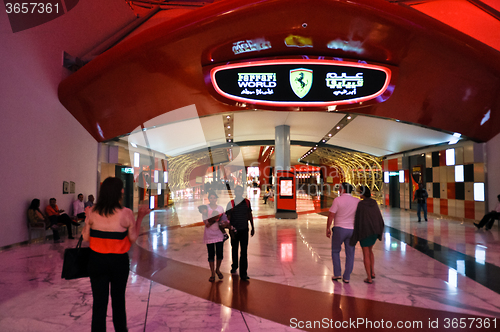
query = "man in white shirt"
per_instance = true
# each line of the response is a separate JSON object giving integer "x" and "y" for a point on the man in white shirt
{"x": 490, "y": 217}
{"x": 79, "y": 208}
{"x": 342, "y": 214}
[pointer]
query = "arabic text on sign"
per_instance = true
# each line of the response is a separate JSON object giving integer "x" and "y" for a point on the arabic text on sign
{"x": 349, "y": 82}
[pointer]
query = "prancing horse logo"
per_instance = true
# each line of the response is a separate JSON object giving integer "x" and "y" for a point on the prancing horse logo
{"x": 301, "y": 81}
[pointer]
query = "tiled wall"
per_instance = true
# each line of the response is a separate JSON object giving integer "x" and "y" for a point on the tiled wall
{"x": 447, "y": 196}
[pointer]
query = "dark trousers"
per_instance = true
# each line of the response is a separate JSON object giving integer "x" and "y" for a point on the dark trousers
{"x": 215, "y": 248}
{"x": 106, "y": 270}
{"x": 81, "y": 216}
{"x": 62, "y": 219}
{"x": 422, "y": 206}
{"x": 240, "y": 239}
{"x": 489, "y": 219}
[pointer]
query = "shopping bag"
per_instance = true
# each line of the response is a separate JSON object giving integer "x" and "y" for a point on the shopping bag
{"x": 76, "y": 262}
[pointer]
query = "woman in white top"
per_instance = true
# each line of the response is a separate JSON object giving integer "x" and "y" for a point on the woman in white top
{"x": 213, "y": 237}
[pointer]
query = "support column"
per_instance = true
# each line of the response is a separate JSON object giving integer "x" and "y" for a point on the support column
{"x": 282, "y": 148}
{"x": 285, "y": 192}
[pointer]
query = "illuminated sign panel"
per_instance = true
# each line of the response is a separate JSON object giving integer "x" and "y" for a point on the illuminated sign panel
{"x": 286, "y": 188}
{"x": 300, "y": 82}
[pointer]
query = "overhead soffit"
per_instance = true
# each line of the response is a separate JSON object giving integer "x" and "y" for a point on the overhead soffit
{"x": 304, "y": 126}
{"x": 466, "y": 17}
{"x": 365, "y": 134}
{"x": 159, "y": 69}
{"x": 381, "y": 137}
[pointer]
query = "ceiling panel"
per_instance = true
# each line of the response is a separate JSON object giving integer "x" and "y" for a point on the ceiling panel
{"x": 257, "y": 125}
{"x": 381, "y": 137}
{"x": 371, "y": 135}
{"x": 181, "y": 137}
{"x": 311, "y": 126}
{"x": 304, "y": 126}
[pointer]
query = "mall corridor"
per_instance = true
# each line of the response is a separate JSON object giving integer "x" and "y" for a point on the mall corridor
{"x": 442, "y": 270}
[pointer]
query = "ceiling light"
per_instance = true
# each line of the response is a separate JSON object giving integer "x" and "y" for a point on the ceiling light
{"x": 324, "y": 140}
{"x": 133, "y": 144}
{"x": 228, "y": 127}
{"x": 455, "y": 138}
{"x": 329, "y": 135}
{"x": 349, "y": 117}
{"x": 338, "y": 127}
{"x": 228, "y": 134}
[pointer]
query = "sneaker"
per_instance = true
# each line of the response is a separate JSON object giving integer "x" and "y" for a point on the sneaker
{"x": 244, "y": 278}
{"x": 345, "y": 281}
{"x": 477, "y": 226}
{"x": 335, "y": 278}
{"x": 233, "y": 271}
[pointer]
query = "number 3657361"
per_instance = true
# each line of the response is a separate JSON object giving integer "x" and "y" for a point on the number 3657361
{"x": 31, "y": 8}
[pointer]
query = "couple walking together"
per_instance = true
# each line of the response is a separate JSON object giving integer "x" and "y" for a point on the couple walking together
{"x": 238, "y": 214}
{"x": 353, "y": 221}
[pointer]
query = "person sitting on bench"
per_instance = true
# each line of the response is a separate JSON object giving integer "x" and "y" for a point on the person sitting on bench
{"x": 56, "y": 216}
{"x": 489, "y": 218}
{"x": 79, "y": 208}
{"x": 35, "y": 217}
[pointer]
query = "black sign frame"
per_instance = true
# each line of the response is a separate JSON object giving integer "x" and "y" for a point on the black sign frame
{"x": 271, "y": 82}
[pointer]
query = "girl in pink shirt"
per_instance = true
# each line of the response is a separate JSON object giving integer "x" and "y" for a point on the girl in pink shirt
{"x": 212, "y": 236}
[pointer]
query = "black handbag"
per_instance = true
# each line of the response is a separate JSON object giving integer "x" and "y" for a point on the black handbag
{"x": 76, "y": 262}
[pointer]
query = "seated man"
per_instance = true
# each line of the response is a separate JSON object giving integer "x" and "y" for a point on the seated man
{"x": 267, "y": 195}
{"x": 79, "y": 208}
{"x": 90, "y": 201}
{"x": 489, "y": 218}
{"x": 56, "y": 216}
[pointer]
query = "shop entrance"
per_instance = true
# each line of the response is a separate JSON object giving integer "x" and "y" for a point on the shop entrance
{"x": 394, "y": 199}
{"x": 127, "y": 175}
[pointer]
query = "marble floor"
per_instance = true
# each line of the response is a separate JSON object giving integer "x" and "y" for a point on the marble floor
{"x": 430, "y": 275}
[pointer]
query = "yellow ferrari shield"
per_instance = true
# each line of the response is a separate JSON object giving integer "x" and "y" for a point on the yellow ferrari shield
{"x": 301, "y": 81}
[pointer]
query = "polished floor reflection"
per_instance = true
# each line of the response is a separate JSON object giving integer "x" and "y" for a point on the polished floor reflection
{"x": 427, "y": 274}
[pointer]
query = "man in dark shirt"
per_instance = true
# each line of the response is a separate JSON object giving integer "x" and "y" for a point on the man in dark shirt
{"x": 239, "y": 212}
{"x": 421, "y": 198}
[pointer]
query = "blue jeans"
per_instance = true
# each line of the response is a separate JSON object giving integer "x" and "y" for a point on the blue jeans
{"x": 422, "y": 206}
{"x": 342, "y": 235}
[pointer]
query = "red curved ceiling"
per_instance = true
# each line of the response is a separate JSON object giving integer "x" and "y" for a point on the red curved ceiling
{"x": 447, "y": 80}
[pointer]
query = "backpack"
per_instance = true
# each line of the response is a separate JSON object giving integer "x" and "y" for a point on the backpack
{"x": 248, "y": 206}
{"x": 246, "y": 201}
